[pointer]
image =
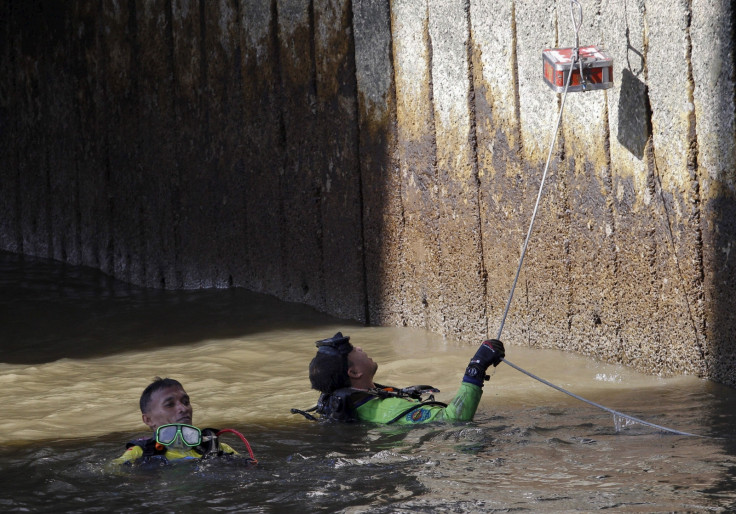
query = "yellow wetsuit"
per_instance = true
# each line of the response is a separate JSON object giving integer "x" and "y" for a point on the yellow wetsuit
{"x": 135, "y": 452}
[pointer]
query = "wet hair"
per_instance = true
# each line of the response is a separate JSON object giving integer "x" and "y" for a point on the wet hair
{"x": 329, "y": 372}
{"x": 158, "y": 383}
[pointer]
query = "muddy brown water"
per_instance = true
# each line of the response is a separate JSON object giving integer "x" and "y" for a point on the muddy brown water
{"x": 79, "y": 347}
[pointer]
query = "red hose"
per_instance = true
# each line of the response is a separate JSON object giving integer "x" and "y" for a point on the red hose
{"x": 242, "y": 438}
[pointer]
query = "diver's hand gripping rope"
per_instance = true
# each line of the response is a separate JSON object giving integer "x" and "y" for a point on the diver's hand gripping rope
{"x": 575, "y": 58}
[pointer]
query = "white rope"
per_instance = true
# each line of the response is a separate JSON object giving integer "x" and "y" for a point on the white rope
{"x": 614, "y": 412}
{"x": 575, "y": 58}
{"x": 536, "y": 205}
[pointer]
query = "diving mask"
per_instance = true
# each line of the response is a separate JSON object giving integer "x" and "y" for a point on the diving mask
{"x": 187, "y": 434}
{"x": 335, "y": 345}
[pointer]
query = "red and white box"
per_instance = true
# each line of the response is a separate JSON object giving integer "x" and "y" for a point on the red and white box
{"x": 597, "y": 69}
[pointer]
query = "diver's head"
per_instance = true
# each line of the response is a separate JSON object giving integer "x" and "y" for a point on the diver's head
{"x": 328, "y": 370}
{"x": 339, "y": 364}
{"x": 164, "y": 401}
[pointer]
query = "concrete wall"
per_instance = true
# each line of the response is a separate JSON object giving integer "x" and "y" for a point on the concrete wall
{"x": 380, "y": 160}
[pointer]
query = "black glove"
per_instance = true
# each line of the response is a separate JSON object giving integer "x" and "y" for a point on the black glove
{"x": 490, "y": 353}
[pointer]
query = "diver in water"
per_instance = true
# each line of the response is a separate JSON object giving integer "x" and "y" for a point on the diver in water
{"x": 167, "y": 411}
{"x": 344, "y": 375}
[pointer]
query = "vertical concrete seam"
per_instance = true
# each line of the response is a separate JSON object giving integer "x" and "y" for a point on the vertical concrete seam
{"x": 273, "y": 34}
{"x": 432, "y": 129}
{"x": 473, "y": 136}
{"x": 611, "y": 214}
{"x": 17, "y": 225}
{"x": 103, "y": 70}
{"x": 657, "y": 191}
{"x": 696, "y": 318}
{"x": 44, "y": 117}
{"x": 395, "y": 163}
{"x": 610, "y": 202}
{"x": 563, "y": 167}
{"x": 17, "y": 207}
{"x": 209, "y": 276}
{"x": 47, "y": 205}
{"x": 321, "y": 300}
{"x": 651, "y": 183}
{"x": 176, "y": 192}
{"x": 313, "y": 82}
{"x": 135, "y": 95}
{"x": 18, "y": 197}
{"x": 201, "y": 93}
{"x": 77, "y": 241}
{"x": 78, "y": 150}
{"x": 134, "y": 47}
{"x": 358, "y": 165}
{"x": 110, "y": 244}
{"x": 103, "y": 224}
{"x": 515, "y": 79}
{"x": 279, "y": 81}
{"x": 733, "y": 55}
{"x": 238, "y": 86}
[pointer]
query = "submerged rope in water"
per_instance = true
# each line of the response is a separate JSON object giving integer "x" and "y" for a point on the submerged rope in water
{"x": 614, "y": 412}
{"x": 526, "y": 244}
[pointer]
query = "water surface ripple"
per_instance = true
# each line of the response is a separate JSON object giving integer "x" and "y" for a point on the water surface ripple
{"x": 79, "y": 347}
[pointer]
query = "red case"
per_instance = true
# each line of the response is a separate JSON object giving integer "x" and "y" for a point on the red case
{"x": 597, "y": 69}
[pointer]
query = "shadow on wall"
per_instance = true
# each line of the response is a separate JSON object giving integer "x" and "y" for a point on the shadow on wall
{"x": 722, "y": 321}
{"x": 51, "y": 310}
{"x": 634, "y": 116}
{"x": 721, "y": 212}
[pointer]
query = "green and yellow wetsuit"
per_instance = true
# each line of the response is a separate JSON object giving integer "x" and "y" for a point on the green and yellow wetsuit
{"x": 390, "y": 410}
{"x": 382, "y": 404}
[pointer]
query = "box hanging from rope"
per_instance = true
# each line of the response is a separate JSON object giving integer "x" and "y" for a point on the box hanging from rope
{"x": 595, "y": 66}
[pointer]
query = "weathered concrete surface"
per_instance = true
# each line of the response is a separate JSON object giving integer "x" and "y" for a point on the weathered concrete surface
{"x": 589, "y": 247}
{"x": 337, "y": 125}
{"x": 420, "y": 266}
{"x": 501, "y": 183}
{"x": 545, "y": 278}
{"x": 381, "y": 159}
{"x": 10, "y": 140}
{"x": 714, "y": 78}
{"x": 263, "y": 146}
{"x": 622, "y": 34}
{"x": 677, "y": 202}
{"x": 381, "y": 184}
{"x": 301, "y": 192}
{"x": 461, "y": 273}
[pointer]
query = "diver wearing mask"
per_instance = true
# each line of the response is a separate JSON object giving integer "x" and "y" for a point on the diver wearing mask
{"x": 166, "y": 409}
{"x": 344, "y": 375}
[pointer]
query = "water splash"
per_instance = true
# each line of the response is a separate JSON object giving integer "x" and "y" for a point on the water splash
{"x": 621, "y": 422}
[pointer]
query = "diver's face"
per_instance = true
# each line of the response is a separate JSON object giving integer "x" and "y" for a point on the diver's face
{"x": 168, "y": 405}
{"x": 360, "y": 365}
